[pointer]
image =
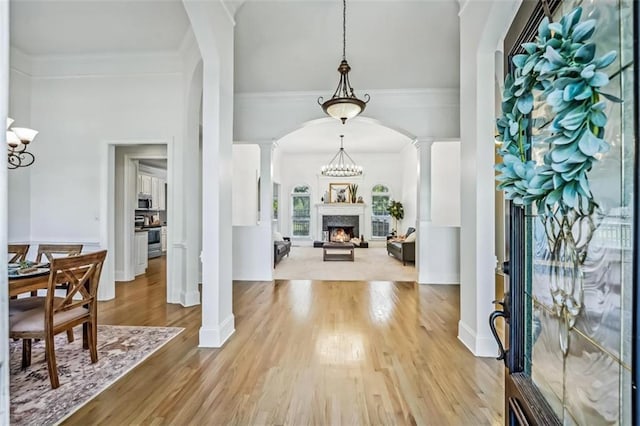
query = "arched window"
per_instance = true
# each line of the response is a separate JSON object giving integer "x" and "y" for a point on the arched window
{"x": 380, "y": 217}
{"x": 300, "y": 211}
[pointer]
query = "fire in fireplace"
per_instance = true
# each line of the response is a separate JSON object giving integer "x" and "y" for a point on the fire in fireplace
{"x": 340, "y": 234}
{"x": 348, "y": 224}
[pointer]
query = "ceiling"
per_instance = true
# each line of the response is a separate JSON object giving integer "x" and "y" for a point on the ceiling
{"x": 75, "y": 27}
{"x": 362, "y": 135}
{"x": 391, "y": 44}
{"x": 279, "y": 46}
{"x": 152, "y": 162}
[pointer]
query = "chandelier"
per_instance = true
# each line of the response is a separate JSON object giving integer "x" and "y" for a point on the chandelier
{"x": 338, "y": 167}
{"x": 344, "y": 103}
{"x": 18, "y": 139}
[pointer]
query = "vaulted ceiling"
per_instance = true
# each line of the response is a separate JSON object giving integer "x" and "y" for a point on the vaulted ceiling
{"x": 279, "y": 46}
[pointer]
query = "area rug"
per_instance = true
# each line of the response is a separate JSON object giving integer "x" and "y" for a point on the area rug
{"x": 370, "y": 264}
{"x": 120, "y": 349}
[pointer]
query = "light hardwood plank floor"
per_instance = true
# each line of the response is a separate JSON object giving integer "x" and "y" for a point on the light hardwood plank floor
{"x": 304, "y": 352}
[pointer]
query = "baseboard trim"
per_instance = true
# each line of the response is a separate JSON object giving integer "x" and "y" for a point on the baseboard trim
{"x": 440, "y": 279}
{"x": 190, "y": 298}
{"x": 480, "y": 346}
{"x": 217, "y": 336}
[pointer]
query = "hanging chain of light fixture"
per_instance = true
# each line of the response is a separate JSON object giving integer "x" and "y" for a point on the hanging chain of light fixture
{"x": 341, "y": 164}
{"x": 344, "y": 103}
{"x": 18, "y": 139}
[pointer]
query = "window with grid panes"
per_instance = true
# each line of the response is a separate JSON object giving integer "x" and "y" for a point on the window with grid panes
{"x": 380, "y": 218}
{"x": 300, "y": 211}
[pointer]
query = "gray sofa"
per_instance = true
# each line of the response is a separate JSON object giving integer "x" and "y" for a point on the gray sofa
{"x": 281, "y": 249}
{"x": 404, "y": 251}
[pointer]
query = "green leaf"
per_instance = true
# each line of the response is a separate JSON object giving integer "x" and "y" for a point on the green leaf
{"x": 569, "y": 195}
{"x": 588, "y": 71}
{"x": 543, "y": 29}
{"x": 573, "y": 120}
{"x": 611, "y": 97}
{"x": 553, "y": 197}
{"x": 519, "y": 60}
{"x": 572, "y": 90}
{"x": 556, "y": 28}
{"x": 584, "y": 30}
{"x": 574, "y": 16}
{"x": 599, "y": 79}
{"x": 525, "y": 103}
{"x": 562, "y": 153}
{"x": 598, "y": 118}
{"x": 585, "y": 54}
{"x": 589, "y": 144}
{"x": 585, "y": 94}
{"x": 553, "y": 56}
{"x": 513, "y": 128}
{"x": 530, "y": 48}
{"x": 606, "y": 60}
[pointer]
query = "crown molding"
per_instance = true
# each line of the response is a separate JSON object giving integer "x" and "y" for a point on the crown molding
{"x": 92, "y": 65}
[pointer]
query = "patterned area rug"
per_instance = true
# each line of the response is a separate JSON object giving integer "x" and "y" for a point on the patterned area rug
{"x": 120, "y": 349}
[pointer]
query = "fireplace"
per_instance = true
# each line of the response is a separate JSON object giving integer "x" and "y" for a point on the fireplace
{"x": 340, "y": 234}
{"x": 342, "y": 215}
{"x": 341, "y": 227}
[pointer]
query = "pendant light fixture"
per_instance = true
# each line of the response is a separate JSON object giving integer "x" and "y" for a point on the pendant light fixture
{"x": 341, "y": 164}
{"x": 18, "y": 139}
{"x": 344, "y": 103}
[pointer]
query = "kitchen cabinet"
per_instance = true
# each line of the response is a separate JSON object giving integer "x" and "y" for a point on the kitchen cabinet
{"x": 157, "y": 193}
{"x": 145, "y": 184}
{"x": 141, "y": 248}
{"x": 163, "y": 238}
{"x": 162, "y": 202}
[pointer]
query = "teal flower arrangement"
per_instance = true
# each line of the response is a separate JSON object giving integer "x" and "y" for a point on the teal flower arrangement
{"x": 561, "y": 64}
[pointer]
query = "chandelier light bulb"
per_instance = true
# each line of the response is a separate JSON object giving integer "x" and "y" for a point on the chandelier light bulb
{"x": 341, "y": 165}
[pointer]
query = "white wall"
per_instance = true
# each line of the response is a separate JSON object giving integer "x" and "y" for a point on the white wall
{"x": 409, "y": 197}
{"x": 246, "y": 171}
{"x": 19, "y": 225}
{"x": 74, "y": 115}
{"x": 445, "y": 184}
{"x": 297, "y": 169}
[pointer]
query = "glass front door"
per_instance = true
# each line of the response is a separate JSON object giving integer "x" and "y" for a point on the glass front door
{"x": 570, "y": 301}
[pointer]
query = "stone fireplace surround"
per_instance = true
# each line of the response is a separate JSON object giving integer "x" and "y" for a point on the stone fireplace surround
{"x": 339, "y": 214}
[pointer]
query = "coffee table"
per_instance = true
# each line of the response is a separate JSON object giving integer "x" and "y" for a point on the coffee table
{"x": 338, "y": 251}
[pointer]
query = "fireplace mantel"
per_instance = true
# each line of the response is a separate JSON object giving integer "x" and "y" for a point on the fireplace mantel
{"x": 337, "y": 209}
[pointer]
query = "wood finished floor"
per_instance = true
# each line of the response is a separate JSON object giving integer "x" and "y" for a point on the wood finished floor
{"x": 303, "y": 353}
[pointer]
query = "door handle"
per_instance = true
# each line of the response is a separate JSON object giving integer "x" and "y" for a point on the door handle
{"x": 492, "y": 320}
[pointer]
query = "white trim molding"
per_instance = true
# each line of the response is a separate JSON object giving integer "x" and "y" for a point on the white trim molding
{"x": 216, "y": 337}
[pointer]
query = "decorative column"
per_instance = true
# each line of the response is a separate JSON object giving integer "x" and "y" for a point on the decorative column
{"x": 482, "y": 27}
{"x": 213, "y": 28}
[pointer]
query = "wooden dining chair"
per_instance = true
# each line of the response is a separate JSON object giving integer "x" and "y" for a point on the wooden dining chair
{"x": 51, "y": 251}
{"x": 58, "y": 314}
{"x": 18, "y": 252}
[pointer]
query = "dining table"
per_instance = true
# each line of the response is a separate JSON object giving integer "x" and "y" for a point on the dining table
{"x": 19, "y": 284}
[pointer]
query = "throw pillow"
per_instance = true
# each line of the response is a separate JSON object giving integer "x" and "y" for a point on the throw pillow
{"x": 411, "y": 237}
{"x": 277, "y": 236}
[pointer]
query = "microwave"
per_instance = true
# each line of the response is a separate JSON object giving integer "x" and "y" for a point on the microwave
{"x": 144, "y": 202}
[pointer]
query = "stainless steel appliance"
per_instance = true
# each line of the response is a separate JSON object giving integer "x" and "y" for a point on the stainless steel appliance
{"x": 155, "y": 242}
{"x": 144, "y": 201}
{"x": 139, "y": 221}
